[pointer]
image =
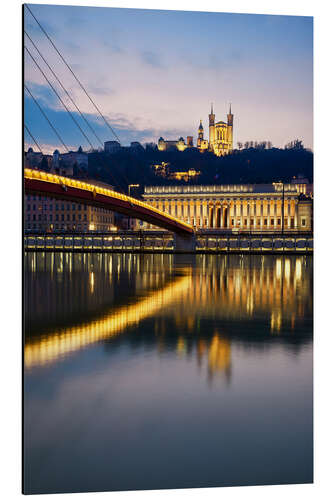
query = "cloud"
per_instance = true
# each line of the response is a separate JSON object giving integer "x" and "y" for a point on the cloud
{"x": 151, "y": 85}
{"x": 152, "y": 59}
{"x": 102, "y": 91}
{"x": 113, "y": 46}
{"x": 47, "y": 148}
{"x": 43, "y": 94}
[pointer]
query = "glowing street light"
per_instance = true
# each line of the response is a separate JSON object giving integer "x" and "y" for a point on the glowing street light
{"x": 132, "y": 186}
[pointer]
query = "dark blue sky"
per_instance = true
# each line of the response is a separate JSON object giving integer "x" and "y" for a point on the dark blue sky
{"x": 155, "y": 73}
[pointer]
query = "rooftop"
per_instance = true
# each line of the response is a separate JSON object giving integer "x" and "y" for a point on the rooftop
{"x": 224, "y": 188}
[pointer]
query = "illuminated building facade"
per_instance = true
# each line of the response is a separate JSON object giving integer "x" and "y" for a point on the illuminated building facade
{"x": 220, "y": 140}
{"x": 246, "y": 207}
{"x": 185, "y": 176}
{"x": 46, "y": 214}
{"x": 220, "y": 134}
{"x": 176, "y": 144}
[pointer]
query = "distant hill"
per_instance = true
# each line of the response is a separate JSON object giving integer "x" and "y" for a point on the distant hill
{"x": 252, "y": 165}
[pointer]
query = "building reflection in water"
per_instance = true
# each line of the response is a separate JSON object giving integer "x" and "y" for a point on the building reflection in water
{"x": 75, "y": 300}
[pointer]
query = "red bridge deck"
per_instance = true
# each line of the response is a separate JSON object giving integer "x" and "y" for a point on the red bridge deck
{"x": 37, "y": 181}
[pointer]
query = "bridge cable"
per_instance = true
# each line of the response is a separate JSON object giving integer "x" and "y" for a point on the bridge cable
{"x": 60, "y": 99}
{"x": 46, "y": 118}
{"x": 32, "y": 137}
{"x": 72, "y": 72}
{"x": 65, "y": 90}
{"x": 124, "y": 177}
{"x": 71, "y": 99}
{"x": 68, "y": 111}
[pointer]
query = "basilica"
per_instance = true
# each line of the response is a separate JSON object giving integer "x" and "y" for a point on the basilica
{"x": 220, "y": 141}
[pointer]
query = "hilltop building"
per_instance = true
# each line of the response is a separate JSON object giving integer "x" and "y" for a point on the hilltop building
{"x": 167, "y": 145}
{"x": 220, "y": 141}
{"x": 114, "y": 147}
{"x": 36, "y": 159}
{"x": 71, "y": 163}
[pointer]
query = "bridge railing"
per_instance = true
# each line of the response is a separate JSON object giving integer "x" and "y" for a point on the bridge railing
{"x": 78, "y": 184}
{"x": 164, "y": 242}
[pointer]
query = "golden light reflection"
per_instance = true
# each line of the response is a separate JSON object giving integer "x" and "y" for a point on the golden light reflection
{"x": 219, "y": 356}
{"x": 275, "y": 321}
{"x": 298, "y": 269}
{"x": 287, "y": 269}
{"x": 278, "y": 267}
{"x": 222, "y": 289}
{"x": 61, "y": 342}
{"x": 92, "y": 282}
{"x": 181, "y": 345}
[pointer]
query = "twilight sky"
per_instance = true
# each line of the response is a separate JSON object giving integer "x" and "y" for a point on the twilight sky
{"x": 155, "y": 73}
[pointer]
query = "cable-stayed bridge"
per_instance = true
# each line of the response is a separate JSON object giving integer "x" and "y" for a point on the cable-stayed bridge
{"x": 66, "y": 188}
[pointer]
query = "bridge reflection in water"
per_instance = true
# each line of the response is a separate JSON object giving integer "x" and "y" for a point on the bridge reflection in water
{"x": 278, "y": 290}
{"x": 168, "y": 370}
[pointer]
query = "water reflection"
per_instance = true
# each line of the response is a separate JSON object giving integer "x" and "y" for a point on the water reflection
{"x": 197, "y": 369}
{"x": 274, "y": 291}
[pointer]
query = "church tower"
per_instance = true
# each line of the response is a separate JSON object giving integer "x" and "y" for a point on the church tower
{"x": 230, "y": 122}
{"x": 211, "y": 118}
{"x": 200, "y": 134}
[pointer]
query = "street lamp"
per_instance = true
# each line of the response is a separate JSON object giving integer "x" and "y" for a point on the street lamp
{"x": 132, "y": 186}
{"x": 282, "y": 208}
{"x": 129, "y": 194}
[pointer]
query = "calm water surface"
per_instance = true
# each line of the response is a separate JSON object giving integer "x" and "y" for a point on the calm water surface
{"x": 162, "y": 371}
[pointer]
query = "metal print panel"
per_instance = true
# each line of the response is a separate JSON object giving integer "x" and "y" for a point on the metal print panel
{"x": 168, "y": 242}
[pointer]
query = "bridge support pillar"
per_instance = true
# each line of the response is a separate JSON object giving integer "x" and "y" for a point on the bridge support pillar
{"x": 184, "y": 244}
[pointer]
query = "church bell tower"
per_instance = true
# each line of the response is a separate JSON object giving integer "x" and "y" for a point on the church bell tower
{"x": 230, "y": 122}
{"x": 200, "y": 135}
{"x": 211, "y": 118}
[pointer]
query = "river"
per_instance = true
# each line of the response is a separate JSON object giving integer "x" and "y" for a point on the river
{"x": 166, "y": 371}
